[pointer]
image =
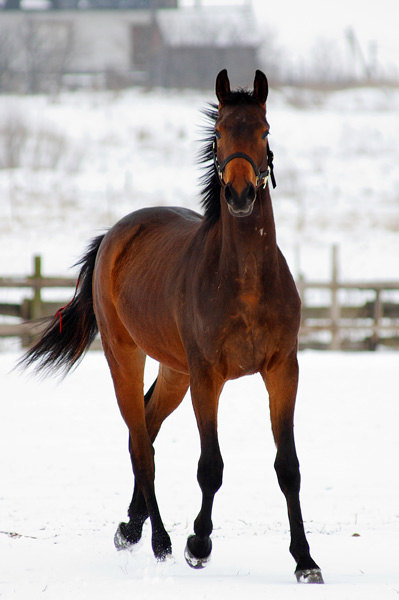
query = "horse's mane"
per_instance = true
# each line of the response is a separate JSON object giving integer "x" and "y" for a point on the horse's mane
{"x": 209, "y": 181}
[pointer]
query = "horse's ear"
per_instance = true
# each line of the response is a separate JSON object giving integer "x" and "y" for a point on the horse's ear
{"x": 222, "y": 86}
{"x": 261, "y": 87}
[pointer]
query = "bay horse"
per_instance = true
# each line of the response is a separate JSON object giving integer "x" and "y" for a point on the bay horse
{"x": 211, "y": 298}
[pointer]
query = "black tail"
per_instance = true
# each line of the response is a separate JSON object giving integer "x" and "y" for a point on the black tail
{"x": 71, "y": 331}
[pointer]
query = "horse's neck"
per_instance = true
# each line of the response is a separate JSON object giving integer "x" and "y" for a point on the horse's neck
{"x": 248, "y": 244}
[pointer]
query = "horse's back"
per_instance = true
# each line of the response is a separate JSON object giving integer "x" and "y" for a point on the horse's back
{"x": 160, "y": 216}
{"x": 148, "y": 230}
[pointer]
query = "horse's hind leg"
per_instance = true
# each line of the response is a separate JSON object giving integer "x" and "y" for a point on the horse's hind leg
{"x": 282, "y": 380}
{"x": 126, "y": 363}
{"x": 161, "y": 400}
{"x": 130, "y": 533}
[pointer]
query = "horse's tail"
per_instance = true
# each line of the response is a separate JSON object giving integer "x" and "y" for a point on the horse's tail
{"x": 73, "y": 328}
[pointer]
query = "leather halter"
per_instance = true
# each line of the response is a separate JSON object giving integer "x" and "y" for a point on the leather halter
{"x": 261, "y": 176}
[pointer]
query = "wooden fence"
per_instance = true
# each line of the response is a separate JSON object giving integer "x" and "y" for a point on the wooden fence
{"x": 351, "y": 315}
{"x": 32, "y": 306}
{"x": 344, "y": 323}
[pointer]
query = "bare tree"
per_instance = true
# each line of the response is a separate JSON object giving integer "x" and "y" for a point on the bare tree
{"x": 5, "y": 59}
{"x": 271, "y": 56}
{"x": 47, "y": 45}
{"x": 12, "y": 5}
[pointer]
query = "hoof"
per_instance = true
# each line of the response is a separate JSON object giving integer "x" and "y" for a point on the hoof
{"x": 120, "y": 540}
{"x": 161, "y": 546}
{"x": 164, "y": 554}
{"x": 193, "y": 561}
{"x": 197, "y": 562}
{"x": 309, "y": 576}
{"x": 128, "y": 534}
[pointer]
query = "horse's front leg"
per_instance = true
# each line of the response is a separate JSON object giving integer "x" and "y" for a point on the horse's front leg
{"x": 282, "y": 381}
{"x": 205, "y": 392}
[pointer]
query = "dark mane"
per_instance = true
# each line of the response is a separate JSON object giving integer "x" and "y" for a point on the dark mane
{"x": 209, "y": 180}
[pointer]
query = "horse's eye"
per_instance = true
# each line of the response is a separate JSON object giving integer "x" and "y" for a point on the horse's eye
{"x": 218, "y": 134}
{"x": 265, "y": 134}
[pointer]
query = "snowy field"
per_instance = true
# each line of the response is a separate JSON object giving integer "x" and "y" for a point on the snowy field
{"x": 66, "y": 483}
{"x": 81, "y": 161}
{"x": 70, "y": 166}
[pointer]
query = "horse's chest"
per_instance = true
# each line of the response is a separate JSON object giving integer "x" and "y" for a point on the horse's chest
{"x": 242, "y": 347}
{"x": 247, "y": 318}
{"x": 240, "y": 340}
{"x": 248, "y": 329}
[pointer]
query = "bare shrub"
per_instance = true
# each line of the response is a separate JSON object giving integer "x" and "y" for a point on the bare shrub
{"x": 13, "y": 139}
{"x": 23, "y": 146}
{"x": 48, "y": 149}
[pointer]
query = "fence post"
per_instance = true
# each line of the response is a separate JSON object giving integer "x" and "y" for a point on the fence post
{"x": 377, "y": 318}
{"x": 36, "y": 302}
{"x": 335, "y": 308}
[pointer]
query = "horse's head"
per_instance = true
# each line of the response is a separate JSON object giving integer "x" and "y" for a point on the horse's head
{"x": 241, "y": 151}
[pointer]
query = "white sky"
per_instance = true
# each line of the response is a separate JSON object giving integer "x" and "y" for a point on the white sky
{"x": 297, "y": 24}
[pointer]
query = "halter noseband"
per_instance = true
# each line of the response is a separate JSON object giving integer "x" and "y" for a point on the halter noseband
{"x": 261, "y": 176}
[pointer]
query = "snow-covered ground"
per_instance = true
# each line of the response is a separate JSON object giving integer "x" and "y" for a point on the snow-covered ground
{"x": 82, "y": 161}
{"x": 66, "y": 483}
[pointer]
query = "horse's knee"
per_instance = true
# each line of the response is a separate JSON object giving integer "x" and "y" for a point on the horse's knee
{"x": 288, "y": 475}
{"x": 210, "y": 472}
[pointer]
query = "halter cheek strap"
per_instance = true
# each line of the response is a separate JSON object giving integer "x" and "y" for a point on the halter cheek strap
{"x": 261, "y": 176}
{"x": 270, "y": 157}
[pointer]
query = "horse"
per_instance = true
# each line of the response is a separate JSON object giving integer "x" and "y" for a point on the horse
{"x": 211, "y": 298}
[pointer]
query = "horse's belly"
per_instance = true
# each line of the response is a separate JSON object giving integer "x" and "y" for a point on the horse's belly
{"x": 154, "y": 330}
{"x": 164, "y": 348}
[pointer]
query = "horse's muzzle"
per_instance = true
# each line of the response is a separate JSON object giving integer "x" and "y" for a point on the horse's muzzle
{"x": 240, "y": 205}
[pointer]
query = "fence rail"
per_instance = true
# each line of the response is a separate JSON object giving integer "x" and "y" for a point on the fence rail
{"x": 364, "y": 325}
{"x": 27, "y": 313}
{"x": 339, "y": 323}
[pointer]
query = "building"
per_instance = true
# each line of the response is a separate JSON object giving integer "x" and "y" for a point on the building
{"x": 191, "y": 46}
{"x": 45, "y": 49}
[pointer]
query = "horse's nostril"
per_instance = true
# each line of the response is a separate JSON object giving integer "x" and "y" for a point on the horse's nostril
{"x": 251, "y": 193}
{"x": 228, "y": 193}
{"x": 248, "y": 194}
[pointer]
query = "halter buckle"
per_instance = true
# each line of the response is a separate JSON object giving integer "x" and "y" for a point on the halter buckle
{"x": 262, "y": 181}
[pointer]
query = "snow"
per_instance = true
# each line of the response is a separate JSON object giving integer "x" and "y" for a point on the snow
{"x": 66, "y": 483}
{"x": 88, "y": 159}
{"x": 65, "y": 472}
